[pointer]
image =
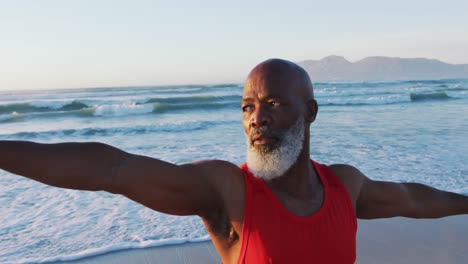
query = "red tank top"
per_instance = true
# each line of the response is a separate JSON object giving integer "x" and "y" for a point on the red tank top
{"x": 271, "y": 234}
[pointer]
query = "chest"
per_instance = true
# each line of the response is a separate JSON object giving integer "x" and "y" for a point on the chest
{"x": 299, "y": 207}
{"x": 272, "y": 234}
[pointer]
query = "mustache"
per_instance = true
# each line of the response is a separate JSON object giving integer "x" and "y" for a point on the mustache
{"x": 266, "y": 131}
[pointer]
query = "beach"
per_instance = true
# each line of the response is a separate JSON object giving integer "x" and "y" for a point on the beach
{"x": 417, "y": 241}
{"x": 400, "y": 131}
{"x": 384, "y": 241}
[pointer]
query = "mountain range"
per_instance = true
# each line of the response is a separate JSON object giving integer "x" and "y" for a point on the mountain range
{"x": 378, "y": 68}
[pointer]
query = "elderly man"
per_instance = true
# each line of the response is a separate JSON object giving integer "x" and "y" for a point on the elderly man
{"x": 280, "y": 206}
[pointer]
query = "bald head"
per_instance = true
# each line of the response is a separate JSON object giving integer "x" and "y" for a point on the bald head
{"x": 280, "y": 83}
{"x": 283, "y": 73}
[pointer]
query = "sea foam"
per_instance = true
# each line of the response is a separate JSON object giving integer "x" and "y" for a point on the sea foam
{"x": 122, "y": 109}
{"x": 113, "y": 248}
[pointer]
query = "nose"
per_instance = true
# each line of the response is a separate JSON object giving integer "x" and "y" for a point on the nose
{"x": 260, "y": 118}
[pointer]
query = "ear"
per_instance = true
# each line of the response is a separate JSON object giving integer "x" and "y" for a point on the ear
{"x": 312, "y": 109}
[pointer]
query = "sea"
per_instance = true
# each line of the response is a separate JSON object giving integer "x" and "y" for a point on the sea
{"x": 403, "y": 131}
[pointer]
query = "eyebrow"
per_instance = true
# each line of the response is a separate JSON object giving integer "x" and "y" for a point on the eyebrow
{"x": 249, "y": 99}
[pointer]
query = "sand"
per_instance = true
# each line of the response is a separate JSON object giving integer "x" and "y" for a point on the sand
{"x": 396, "y": 240}
{"x": 200, "y": 252}
{"x": 403, "y": 240}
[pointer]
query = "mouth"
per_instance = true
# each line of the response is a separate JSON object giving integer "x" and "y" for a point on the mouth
{"x": 264, "y": 140}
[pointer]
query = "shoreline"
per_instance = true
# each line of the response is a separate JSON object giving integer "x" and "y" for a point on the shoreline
{"x": 383, "y": 241}
{"x": 190, "y": 252}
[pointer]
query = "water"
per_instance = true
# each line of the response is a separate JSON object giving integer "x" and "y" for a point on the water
{"x": 398, "y": 131}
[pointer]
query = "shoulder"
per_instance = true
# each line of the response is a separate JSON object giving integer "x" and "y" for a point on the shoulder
{"x": 225, "y": 177}
{"x": 351, "y": 177}
{"x": 216, "y": 168}
{"x": 227, "y": 180}
{"x": 345, "y": 170}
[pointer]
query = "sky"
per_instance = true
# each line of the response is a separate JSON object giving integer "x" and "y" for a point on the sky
{"x": 57, "y": 44}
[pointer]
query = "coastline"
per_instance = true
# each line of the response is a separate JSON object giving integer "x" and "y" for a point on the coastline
{"x": 394, "y": 240}
{"x": 190, "y": 252}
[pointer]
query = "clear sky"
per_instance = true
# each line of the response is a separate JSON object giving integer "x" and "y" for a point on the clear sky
{"x": 90, "y": 43}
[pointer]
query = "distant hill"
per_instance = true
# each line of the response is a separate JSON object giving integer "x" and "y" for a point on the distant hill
{"x": 337, "y": 68}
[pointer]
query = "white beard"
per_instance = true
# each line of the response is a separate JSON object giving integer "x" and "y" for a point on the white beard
{"x": 268, "y": 164}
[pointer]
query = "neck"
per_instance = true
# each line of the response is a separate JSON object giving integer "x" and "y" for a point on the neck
{"x": 300, "y": 180}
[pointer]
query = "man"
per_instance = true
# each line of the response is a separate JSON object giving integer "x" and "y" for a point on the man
{"x": 279, "y": 207}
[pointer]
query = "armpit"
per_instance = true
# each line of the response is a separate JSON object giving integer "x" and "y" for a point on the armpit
{"x": 218, "y": 224}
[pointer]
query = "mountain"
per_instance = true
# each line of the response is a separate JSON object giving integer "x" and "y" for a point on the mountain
{"x": 377, "y": 68}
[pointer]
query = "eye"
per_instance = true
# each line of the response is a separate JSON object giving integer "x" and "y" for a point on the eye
{"x": 275, "y": 103}
{"x": 247, "y": 108}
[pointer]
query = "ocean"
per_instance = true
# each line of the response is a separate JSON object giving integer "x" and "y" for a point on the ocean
{"x": 394, "y": 131}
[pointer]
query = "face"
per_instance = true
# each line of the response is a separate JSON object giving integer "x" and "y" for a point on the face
{"x": 274, "y": 124}
{"x": 274, "y": 161}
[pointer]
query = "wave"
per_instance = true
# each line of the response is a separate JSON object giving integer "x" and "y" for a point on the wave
{"x": 118, "y": 247}
{"x": 22, "y": 107}
{"x": 47, "y": 109}
{"x": 75, "y": 105}
{"x": 387, "y": 83}
{"x": 112, "y": 131}
{"x": 228, "y": 85}
{"x": 160, "y": 108}
{"x": 16, "y": 117}
{"x": 429, "y": 96}
{"x": 67, "y": 105}
{"x": 136, "y": 109}
{"x": 11, "y": 117}
{"x": 194, "y": 99}
{"x": 122, "y": 109}
{"x": 221, "y": 97}
{"x": 199, "y": 103}
{"x": 358, "y": 103}
{"x": 453, "y": 89}
{"x": 386, "y": 100}
{"x": 36, "y": 107}
{"x": 122, "y": 90}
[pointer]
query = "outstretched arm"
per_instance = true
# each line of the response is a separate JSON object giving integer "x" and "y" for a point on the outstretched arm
{"x": 182, "y": 190}
{"x": 81, "y": 166}
{"x": 379, "y": 199}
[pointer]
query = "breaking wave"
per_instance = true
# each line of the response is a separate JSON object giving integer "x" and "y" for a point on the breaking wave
{"x": 429, "y": 96}
{"x": 41, "y": 107}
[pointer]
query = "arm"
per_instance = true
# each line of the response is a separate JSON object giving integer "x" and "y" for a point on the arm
{"x": 182, "y": 190}
{"x": 379, "y": 199}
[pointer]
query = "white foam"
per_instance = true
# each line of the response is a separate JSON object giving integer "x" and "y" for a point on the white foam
{"x": 117, "y": 247}
{"x": 366, "y": 100}
{"x": 122, "y": 109}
